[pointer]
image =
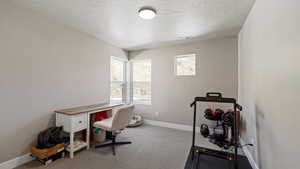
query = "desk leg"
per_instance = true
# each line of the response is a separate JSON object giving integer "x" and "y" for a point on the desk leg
{"x": 88, "y": 131}
{"x": 71, "y": 145}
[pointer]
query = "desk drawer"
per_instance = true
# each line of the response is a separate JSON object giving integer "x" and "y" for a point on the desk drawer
{"x": 79, "y": 122}
{"x": 72, "y": 123}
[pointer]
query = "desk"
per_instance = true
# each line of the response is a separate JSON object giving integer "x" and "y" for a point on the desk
{"x": 78, "y": 119}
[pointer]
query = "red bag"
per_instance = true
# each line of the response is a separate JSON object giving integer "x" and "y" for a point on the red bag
{"x": 95, "y": 117}
{"x": 100, "y": 116}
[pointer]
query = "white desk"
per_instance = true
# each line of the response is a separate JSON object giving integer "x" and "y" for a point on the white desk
{"x": 77, "y": 119}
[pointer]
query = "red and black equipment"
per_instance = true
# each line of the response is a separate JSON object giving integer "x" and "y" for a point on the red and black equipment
{"x": 217, "y": 115}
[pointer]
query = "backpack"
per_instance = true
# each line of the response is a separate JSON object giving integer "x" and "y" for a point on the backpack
{"x": 50, "y": 137}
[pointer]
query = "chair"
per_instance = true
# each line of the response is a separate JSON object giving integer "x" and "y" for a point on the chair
{"x": 119, "y": 121}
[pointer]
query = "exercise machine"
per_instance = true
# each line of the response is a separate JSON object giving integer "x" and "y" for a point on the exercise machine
{"x": 216, "y": 98}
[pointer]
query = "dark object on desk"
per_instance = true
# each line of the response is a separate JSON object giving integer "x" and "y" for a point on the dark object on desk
{"x": 50, "y": 138}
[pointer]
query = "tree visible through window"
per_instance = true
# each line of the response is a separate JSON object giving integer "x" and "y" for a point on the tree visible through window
{"x": 141, "y": 81}
{"x": 117, "y": 79}
{"x": 185, "y": 65}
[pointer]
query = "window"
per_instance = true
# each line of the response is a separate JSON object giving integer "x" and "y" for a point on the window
{"x": 117, "y": 76}
{"x": 141, "y": 81}
{"x": 185, "y": 65}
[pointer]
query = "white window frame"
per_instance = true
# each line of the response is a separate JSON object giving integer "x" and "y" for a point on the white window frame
{"x": 139, "y": 101}
{"x": 123, "y": 83}
{"x": 183, "y": 56}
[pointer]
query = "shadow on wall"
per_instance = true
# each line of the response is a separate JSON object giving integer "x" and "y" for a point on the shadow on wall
{"x": 135, "y": 53}
{"x": 266, "y": 142}
{"x": 243, "y": 124}
{"x": 260, "y": 118}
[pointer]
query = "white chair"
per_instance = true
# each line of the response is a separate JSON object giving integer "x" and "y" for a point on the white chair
{"x": 119, "y": 121}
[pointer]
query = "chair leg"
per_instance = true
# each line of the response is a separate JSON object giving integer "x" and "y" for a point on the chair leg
{"x": 122, "y": 142}
{"x": 104, "y": 145}
{"x": 113, "y": 144}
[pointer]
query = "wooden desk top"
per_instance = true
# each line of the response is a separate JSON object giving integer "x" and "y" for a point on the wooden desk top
{"x": 86, "y": 109}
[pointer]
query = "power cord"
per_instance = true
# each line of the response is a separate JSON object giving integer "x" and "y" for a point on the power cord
{"x": 246, "y": 145}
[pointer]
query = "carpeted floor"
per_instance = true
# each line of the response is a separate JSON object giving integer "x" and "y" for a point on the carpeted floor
{"x": 152, "y": 148}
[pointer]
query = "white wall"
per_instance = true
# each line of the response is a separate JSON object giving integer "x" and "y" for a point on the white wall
{"x": 171, "y": 95}
{"x": 269, "y": 82}
{"x": 45, "y": 66}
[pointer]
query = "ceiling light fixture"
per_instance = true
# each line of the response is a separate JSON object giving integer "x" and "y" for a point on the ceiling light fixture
{"x": 147, "y": 13}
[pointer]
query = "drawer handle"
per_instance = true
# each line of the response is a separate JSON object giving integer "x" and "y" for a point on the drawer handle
{"x": 80, "y": 121}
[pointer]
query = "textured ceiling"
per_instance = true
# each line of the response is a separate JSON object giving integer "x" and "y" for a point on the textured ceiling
{"x": 117, "y": 21}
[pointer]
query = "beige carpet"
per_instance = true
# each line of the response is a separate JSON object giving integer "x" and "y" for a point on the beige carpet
{"x": 152, "y": 148}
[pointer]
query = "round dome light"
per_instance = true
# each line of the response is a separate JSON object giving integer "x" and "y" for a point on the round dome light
{"x": 147, "y": 13}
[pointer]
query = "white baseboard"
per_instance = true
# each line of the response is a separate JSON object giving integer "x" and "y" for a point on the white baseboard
{"x": 249, "y": 155}
{"x": 13, "y": 163}
{"x": 171, "y": 125}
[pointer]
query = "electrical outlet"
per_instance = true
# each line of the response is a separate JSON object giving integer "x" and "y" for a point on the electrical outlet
{"x": 156, "y": 114}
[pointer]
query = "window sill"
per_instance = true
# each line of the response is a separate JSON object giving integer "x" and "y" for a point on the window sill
{"x": 116, "y": 101}
{"x": 179, "y": 76}
{"x": 142, "y": 102}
